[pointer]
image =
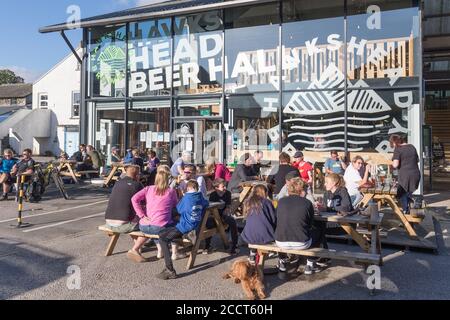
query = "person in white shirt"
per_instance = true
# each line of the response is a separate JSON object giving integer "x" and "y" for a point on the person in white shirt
{"x": 353, "y": 180}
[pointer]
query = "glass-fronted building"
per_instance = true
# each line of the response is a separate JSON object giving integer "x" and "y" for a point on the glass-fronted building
{"x": 219, "y": 78}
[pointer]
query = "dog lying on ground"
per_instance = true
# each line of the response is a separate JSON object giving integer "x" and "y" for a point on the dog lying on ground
{"x": 248, "y": 275}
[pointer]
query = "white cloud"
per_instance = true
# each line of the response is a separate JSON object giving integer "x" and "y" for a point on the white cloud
{"x": 29, "y": 75}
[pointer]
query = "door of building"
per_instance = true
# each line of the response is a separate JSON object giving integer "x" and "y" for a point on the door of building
{"x": 71, "y": 141}
{"x": 201, "y": 137}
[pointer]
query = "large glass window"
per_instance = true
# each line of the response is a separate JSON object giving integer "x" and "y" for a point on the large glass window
{"x": 256, "y": 126}
{"x": 313, "y": 44}
{"x": 210, "y": 107}
{"x": 383, "y": 43}
{"x": 198, "y": 53}
{"x": 150, "y": 51}
{"x": 251, "y": 48}
{"x": 110, "y": 128}
{"x": 107, "y": 61}
{"x": 314, "y": 122}
{"x": 149, "y": 127}
{"x": 374, "y": 115}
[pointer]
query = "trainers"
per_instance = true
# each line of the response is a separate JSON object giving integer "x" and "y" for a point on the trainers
{"x": 282, "y": 264}
{"x": 178, "y": 256}
{"x": 312, "y": 269}
{"x": 192, "y": 236}
{"x": 323, "y": 262}
{"x": 252, "y": 257}
{"x": 234, "y": 251}
{"x": 4, "y": 197}
{"x": 136, "y": 257}
{"x": 166, "y": 275}
{"x": 159, "y": 255}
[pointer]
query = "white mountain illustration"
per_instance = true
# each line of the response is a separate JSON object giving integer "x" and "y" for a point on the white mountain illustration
{"x": 325, "y": 102}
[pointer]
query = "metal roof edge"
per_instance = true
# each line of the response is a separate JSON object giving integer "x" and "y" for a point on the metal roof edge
{"x": 157, "y": 14}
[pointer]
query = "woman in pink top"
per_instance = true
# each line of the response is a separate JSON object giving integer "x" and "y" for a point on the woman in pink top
{"x": 218, "y": 170}
{"x": 154, "y": 205}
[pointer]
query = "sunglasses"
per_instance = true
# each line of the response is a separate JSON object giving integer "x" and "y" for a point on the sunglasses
{"x": 359, "y": 162}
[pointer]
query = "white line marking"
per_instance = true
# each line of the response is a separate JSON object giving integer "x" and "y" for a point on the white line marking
{"x": 431, "y": 194}
{"x": 64, "y": 222}
{"x": 57, "y": 211}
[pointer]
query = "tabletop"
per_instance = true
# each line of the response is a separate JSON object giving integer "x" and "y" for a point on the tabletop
{"x": 357, "y": 218}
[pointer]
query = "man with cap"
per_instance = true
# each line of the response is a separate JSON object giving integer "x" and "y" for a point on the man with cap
{"x": 304, "y": 167}
{"x": 115, "y": 156}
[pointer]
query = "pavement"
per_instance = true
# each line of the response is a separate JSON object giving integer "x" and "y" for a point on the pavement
{"x": 38, "y": 262}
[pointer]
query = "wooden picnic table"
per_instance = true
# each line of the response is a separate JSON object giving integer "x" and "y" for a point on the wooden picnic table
{"x": 370, "y": 244}
{"x": 203, "y": 234}
{"x": 247, "y": 188}
{"x": 66, "y": 168}
{"x": 115, "y": 167}
{"x": 388, "y": 194}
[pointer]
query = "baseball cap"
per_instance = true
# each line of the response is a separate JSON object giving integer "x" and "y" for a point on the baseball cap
{"x": 298, "y": 154}
{"x": 293, "y": 174}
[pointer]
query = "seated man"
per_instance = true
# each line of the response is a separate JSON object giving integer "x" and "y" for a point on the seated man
{"x": 80, "y": 155}
{"x": 243, "y": 172}
{"x": 6, "y": 165}
{"x": 334, "y": 164}
{"x": 295, "y": 228}
{"x": 95, "y": 157}
{"x": 278, "y": 174}
{"x": 191, "y": 208}
{"x": 190, "y": 173}
{"x": 24, "y": 166}
{"x": 178, "y": 165}
{"x": 120, "y": 215}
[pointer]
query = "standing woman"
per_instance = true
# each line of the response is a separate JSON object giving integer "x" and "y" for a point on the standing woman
{"x": 406, "y": 160}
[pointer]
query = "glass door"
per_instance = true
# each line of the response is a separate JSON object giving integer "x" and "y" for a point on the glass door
{"x": 202, "y": 138}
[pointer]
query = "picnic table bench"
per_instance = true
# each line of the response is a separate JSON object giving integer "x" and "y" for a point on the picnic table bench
{"x": 388, "y": 194}
{"x": 247, "y": 188}
{"x": 371, "y": 246}
{"x": 203, "y": 234}
{"x": 67, "y": 168}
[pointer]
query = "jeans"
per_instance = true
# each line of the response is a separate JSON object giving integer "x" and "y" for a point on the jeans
{"x": 404, "y": 197}
{"x": 165, "y": 237}
{"x": 356, "y": 198}
{"x": 153, "y": 230}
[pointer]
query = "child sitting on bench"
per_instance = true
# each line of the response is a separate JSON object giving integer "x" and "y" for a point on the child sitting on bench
{"x": 261, "y": 220}
{"x": 221, "y": 194}
{"x": 191, "y": 208}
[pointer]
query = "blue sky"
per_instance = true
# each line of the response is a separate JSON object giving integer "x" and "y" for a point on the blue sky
{"x": 30, "y": 53}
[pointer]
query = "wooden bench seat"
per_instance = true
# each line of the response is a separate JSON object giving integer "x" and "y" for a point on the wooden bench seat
{"x": 358, "y": 257}
{"x": 87, "y": 172}
{"x": 203, "y": 234}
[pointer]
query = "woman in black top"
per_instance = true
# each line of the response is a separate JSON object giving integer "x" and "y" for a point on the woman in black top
{"x": 336, "y": 198}
{"x": 406, "y": 160}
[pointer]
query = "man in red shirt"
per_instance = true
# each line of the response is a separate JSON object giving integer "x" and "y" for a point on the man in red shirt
{"x": 305, "y": 168}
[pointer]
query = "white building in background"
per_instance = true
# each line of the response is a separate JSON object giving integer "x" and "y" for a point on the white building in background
{"x": 58, "y": 91}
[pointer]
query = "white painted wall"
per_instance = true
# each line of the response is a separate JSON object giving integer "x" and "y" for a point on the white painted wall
{"x": 58, "y": 83}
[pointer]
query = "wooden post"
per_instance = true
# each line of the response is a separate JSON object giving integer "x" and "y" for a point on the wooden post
{"x": 112, "y": 243}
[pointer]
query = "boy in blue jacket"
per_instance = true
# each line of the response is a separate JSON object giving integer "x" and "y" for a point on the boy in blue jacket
{"x": 191, "y": 208}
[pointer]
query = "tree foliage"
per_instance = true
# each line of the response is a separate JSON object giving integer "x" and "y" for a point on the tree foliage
{"x": 8, "y": 77}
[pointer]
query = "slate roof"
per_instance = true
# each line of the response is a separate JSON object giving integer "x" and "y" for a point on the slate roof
{"x": 19, "y": 90}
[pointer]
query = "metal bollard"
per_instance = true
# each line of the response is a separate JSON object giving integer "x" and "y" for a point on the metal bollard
{"x": 20, "y": 186}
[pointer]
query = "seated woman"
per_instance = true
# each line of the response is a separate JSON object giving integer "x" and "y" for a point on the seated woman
{"x": 336, "y": 198}
{"x": 260, "y": 218}
{"x": 159, "y": 201}
{"x": 217, "y": 170}
{"x": 295, "y": 226}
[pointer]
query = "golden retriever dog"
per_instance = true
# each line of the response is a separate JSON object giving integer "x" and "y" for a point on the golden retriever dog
{"x": 248, "y": 275}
